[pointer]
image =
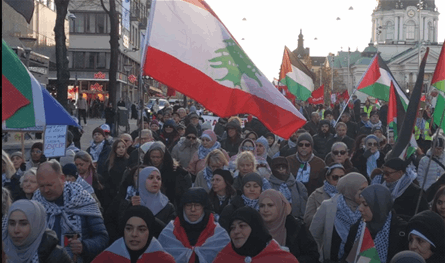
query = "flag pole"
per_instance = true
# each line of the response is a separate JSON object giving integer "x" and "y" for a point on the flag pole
{"x": 359, "y": 247}
{"x": 429, "y": 161}
{"x": 346, "y": 105}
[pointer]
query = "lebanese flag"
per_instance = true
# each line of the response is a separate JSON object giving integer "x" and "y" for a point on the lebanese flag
{"x": 317, "y": 96}
{"x": 22, "y": 99}
{"x": 438, "y": 81}
{"x": 296, "y": 76}
{"x": 188, "y": 48}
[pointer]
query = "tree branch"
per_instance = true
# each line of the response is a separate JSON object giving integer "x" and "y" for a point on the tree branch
{"x": 103, "y": 6}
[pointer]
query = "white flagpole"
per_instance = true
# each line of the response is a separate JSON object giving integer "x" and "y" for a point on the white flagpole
{"x": 362, "y": 234}
{"x": 346, "y": 105}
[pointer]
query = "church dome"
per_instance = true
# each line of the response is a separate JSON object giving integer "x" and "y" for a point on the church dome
{"x": 403, "y": 4}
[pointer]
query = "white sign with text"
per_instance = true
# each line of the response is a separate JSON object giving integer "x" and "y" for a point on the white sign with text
{"x": 55, "y": 140}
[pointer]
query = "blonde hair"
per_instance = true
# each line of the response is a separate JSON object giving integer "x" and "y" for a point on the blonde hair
{"x": 246, "y": 156}
{"x": 216, "y": 156}
{"x": 9, "y": 166}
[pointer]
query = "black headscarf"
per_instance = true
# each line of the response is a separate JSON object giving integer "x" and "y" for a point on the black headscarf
{"x": 145, "y": 214}
{"x": 379, "y": 200}
{"x": 430, "y": 225}
{"x": 258, "y": 238}
{"x": 280, "y": 160}
{"x": 194, "y": 195}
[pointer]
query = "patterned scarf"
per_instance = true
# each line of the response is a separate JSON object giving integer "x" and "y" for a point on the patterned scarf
{"x": 251, "y": 203}
{"x": 284, "y": 189}
{"x": 86, "y": 186}
{"x": 131, "y": 191}
{"x": 208, "y": 174}
{"x": 381, "y": 240}
{"x": 398, "y": 187}
{"x": 371, "y": 162}
{"x": 344, "y": 219}
{"x": 77, "y": 203}
{"x": 203, "y": 151}
{"x": 330, "y": 189}
{"x": 420, "y": 123}
{"x": 304, "y": 171}
{"x": 5, "y": 179}
{"x": 371, "y": 125}
{"x": 96, "y": 149}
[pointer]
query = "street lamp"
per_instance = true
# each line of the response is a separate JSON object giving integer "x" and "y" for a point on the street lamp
{"x": 420, "y": 6}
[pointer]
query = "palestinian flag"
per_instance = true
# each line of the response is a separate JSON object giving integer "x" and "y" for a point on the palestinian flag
{"x": 438, "y": 81}
{"x": 377, "y": 79}
{"x": 188, "y": 48}
{"x": 22, "y": 99}
{"x": 296, "y": 76}
{"x": 368, "y": 252}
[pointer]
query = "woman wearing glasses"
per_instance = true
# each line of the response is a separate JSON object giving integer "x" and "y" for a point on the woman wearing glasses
{"x": 209, "y": 143}
{"x": 37, "y": 156}
{"x": 194, "y": 236}
{"x": 370, "y": 157}
{"x": 283, "y": 181}
{"x": 333, "y": 173}
{"x": 214, "y": 160}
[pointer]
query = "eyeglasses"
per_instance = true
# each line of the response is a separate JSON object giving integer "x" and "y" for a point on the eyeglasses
{"x": 190, "y": 205}
{"x": 307, "y": 145}
{"x": 37, "y": 152}
{"x": 336, "y": 177}
{"x": 370, "y": 144}
{"x": 248, "y": 148}
{"x": 191, "y": 137}
{"x": 338, "y": 152}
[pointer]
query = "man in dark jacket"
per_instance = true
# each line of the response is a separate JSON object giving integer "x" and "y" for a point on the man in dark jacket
{"x": 374, "y": 121}
{"x": 220, "y": 127}
{"x": 404, "y": 192}
{"x": 289, "y": 147}
{"x": 99, "y": 149}
{"x": 257, "y": 126}
{"x": 71, "y": 212}
{"x": 312, "y": 126}
{"x": 233, "y": 140}
{"x": 321, "y": 139}
{"x": 352, "y": 126}
{"x": 341, "y": 136}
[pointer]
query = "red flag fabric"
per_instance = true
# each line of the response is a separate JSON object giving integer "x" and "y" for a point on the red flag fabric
{"x": 170, "y": 92}
{"x": 317, "y": 96}
{"x": 12, "y": 99}
{"x": 284, "y": 90}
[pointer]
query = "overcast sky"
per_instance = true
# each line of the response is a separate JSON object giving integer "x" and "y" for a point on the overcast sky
{"x": 272, "y": 24}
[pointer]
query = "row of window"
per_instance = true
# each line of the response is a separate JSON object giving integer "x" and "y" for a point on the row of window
{"x": 89, "y": 60}
{"x": 410, "y": 30}
{"x": 90, "y": 23}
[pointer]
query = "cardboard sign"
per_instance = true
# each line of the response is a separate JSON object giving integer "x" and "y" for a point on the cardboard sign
{"x": 213, "y": 120}
{"x": 55, "y": 141}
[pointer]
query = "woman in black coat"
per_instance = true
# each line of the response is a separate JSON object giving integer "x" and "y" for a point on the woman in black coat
{"x": 27, "y": 238}
{"x": 366, "y": 160}
{"x": 285, "y": 229}
{"x": 222, "y": 191}
{"x": 387, "y": 230}
{"x": 176, "y": 180}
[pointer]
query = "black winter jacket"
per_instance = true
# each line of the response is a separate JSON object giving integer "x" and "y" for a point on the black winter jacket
{"x": 103, "y": 156}
{"x": 226, "y": 214}
{"x": 300, "y": 241}
{"x": 320, "y": 141}
{"x": 49, "y": 250}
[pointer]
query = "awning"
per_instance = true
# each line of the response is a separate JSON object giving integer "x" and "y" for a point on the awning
{"x": 155, "y": 89}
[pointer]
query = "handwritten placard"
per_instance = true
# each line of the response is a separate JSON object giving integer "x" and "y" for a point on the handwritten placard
{"x": 55, "y": 140}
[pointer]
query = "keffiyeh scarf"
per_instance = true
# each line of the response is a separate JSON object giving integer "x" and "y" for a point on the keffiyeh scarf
{"x": 96, "y": 149}
{"x": 381, "y": 240}
{"x": 251, "y": 203}
{"x": 371, "y": 125}
{"x": 329, "y": 189}
{"x": 208, "y": 174}
{"x": 305, "y": 169}
{"x": 344, "y": 219}
{"x": 284, "y": 189}
{"x": 398, "y": 187}
{"x": 86, "y": 186}
{"x": 77, "y": 203}
{"x": 203, "y": 152}
{"x": 371, "y": 162}
{"x": 131, "y": 191}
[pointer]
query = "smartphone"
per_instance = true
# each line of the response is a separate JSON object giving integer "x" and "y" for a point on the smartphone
{"x": 67, "y": 237}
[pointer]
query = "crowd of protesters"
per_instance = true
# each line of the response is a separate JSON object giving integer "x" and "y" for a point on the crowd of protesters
{"x": 177, "y": 189}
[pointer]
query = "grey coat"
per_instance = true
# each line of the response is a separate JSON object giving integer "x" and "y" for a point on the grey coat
{"x": 313, "y": 203}
{"x": 183, "y": 151}
{"x": 200, "y": 181}
{"x": 323, "y": 225}
{"x": 299, "y": 193}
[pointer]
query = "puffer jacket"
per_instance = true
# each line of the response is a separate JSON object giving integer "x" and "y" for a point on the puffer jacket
{"x": 184, "y": 150}
{"x": 320, "y": 141}
{"x": 434, "y": 171}
{"x": 49, "y": 250}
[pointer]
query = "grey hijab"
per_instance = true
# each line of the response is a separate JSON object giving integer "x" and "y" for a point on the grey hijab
{"x": 379, "y": 200}
{"x": 348, "y": 186}
{"x": 36, "y": 215}
{"x": 155, "y": 202}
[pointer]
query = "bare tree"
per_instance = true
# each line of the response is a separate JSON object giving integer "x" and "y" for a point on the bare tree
{"x": 114, "y": 49}
{"x": 63, "y": 74}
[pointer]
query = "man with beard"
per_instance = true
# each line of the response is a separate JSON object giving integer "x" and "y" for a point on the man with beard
{"x": 321, "y": 139}
{"x": 289, "y": 147}
{"x": 305, "y": 165}
{"x": 312, "y": 126}
{"x": 341, "y": 136}
{"x": 374, "y": 121}
{"x": 352, "y": 126}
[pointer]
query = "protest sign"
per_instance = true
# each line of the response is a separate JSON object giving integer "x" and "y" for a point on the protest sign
{"x": 55, "y": 141}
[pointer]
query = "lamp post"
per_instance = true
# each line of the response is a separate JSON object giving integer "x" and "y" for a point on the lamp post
{"x": 420, "y": 6}
{"x": 332, "y": 73}
{"x": 73, "y": 18}
{"x": 349, "y": 63}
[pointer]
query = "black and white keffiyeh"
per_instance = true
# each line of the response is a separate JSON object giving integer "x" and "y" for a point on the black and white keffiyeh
{"x": 329, "y": 189}
{"x": 398, "y": 187}
{"x": 96, "y": 149}
{"x": 251, "y": 202}
{"x": 344, "y": 218}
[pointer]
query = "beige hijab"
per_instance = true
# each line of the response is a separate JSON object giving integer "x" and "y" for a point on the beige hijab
{"x": 348, "y": 186}
{"x": 277, "y": 228}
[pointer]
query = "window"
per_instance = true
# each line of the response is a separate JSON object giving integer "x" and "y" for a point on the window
{"x": 101, "y": 60}
{"x": 410, "y": 30}
{"x": 389, "y": 30}
{"x": 90, "y": 56}
{"x": 91, "y": 23}
{"x": 430, "y": 32}
{"x": 101, "y": 23}
{"x": 89, "y": 60}
{"x": 79, "y": 23}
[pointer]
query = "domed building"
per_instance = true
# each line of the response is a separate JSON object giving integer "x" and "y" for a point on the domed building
{"x": 399, "y": 30}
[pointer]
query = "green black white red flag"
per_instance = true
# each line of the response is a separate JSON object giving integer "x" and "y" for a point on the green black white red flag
{"x": 188, "y": 48}
{"x": 438, "y": 81}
